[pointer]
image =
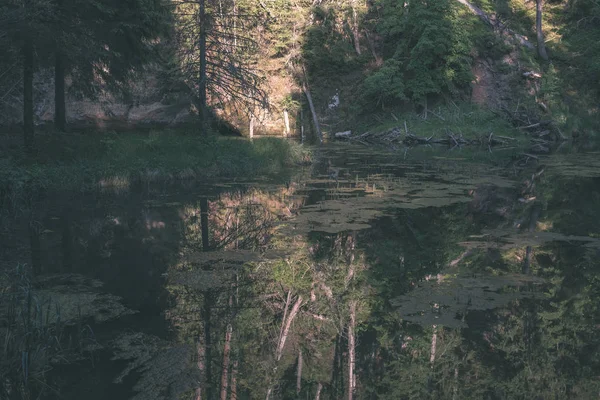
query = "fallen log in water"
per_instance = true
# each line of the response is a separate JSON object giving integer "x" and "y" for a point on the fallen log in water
{"x": 398, "y": 135}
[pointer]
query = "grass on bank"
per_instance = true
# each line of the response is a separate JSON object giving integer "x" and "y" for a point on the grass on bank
{"x": 83, "y": 162}
{"x": 467, "y": 120}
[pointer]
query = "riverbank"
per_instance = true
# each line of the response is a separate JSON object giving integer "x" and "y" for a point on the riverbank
{"x": 457, "y": 127}
{"x": 113, "y": 161}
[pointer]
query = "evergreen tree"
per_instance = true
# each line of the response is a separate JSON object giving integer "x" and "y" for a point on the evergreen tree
{"x": 215, "y": 56}
{"x": 101, "y": 44}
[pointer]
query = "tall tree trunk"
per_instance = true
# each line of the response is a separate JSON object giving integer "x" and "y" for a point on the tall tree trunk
{"x": 302, "y": 126}
{"x": 202, "y": 20}
{"x": 351, "y": 350}
{"x": 28, "y": 128}
{"x": 251, "y": 133}
{"x": 286, "y": 120}
{"x": 313, "y": 111}
{"x": 60, "y": 119}
{"x": 538, "y": 26}
{"x": 60, "y": 111}
{"x": 299, "y": 373}
{"x": 377, "y": 58}
{"x": 319, "y": 388}
{"x": 234, "y": 370}
{"x": 355, "y": 31}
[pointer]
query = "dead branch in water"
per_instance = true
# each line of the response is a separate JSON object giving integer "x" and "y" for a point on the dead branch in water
{"x": 398, "y": 135}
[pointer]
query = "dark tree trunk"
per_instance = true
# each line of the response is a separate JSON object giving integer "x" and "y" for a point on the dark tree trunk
{"x": 535, "y": 214}
{"x": 208, "y": 300}
{"x": 36, "y": 248}
{"x": 28, "y": 129}
{"x": 540, "y": 33}
{"x": 60, "y": 119}
{"x": 202, "y": 78}
{"x": 67, "y": 242}
{"x": 234, "y": 368}
{"x": 60, "y": 110}
{"x": 204, "y": 223}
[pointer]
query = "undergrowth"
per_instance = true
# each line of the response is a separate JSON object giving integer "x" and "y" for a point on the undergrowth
{"x": 34, "y": 336}
{"x": 467, "y": 120}
{"x": 79, "y": 162}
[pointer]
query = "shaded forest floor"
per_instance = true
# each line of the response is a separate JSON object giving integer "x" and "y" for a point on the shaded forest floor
{"x": 116, "y": 162}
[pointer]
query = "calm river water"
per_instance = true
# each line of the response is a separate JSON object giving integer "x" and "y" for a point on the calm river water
{"x": 431, "y": 274}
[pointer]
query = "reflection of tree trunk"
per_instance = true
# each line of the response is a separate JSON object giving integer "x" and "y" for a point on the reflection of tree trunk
{"x": 299, "y": 373}
{"x": 318, "y": 394}
{"x": 285, "y": 311}
{"x": 351, "y": 267}
{"x": 535, "y": 213}
{"x": 286, "y": 329}
{"x": 455, "y": 389}
{"x": 66, "y": 242}
{"x": 204, "y": 223}
{"x": 36, "y": 248}
{"x": 540, "y": 33}
{"x": 60, "y": 120}
{"x": 226, "y": 351}
{"x": 351, "y": 350}
{"x": 28, "y": 85}
{"x": 433, "y": 345}
{"x": 200, "y": 363}
{"x": 234, "y": 370}
{"x": 208, "y": 299}
{"x": 337, "y": 375}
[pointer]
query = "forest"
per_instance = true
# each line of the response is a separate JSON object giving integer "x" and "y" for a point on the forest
{"x": 299, "y": 199}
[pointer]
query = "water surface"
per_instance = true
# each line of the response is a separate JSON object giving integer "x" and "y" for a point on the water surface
{"x": 428, "y": 275}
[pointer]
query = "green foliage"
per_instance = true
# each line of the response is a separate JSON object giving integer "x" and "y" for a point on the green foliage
{"x": 583, "y": 35}
{"x": 121, "y": 40}
{"x": 326, "y": 49}
{"x": 429, "y": 44}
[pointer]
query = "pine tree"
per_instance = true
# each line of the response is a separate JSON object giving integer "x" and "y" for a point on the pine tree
{"x": 119, "y": 37}
{"x": 214, "y": 56}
